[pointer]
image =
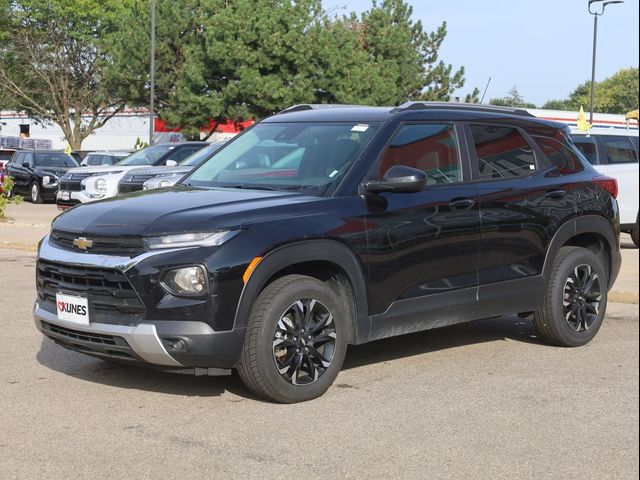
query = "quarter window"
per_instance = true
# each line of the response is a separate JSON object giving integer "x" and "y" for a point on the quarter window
{"x": 502, "y": 152}
{"x": 618, "y": 149}
{"x": 427, "y": 147}
{"x": 560, "y": 155}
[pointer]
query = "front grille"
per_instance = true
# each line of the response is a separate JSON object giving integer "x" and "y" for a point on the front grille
{"x": 70, "y": 186}
{"x": 78, "y": 335}
{"x": 72, "y": 182}
{"x": 128, "y": 246}
{"x": 108, "y": 290}
{"x": 129, "y": 187}
{"x": 133, "y": 183}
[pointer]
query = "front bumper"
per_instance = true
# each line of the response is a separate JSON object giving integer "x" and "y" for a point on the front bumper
{"x": 67, "y": 199}
{"x": 183, "y": 346}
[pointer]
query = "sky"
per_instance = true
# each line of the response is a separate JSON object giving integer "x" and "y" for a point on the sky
{"x": 543, "y": 47}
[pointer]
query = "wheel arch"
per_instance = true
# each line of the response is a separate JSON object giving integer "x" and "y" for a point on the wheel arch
{"x": 589, "y": 231}
{"x": 327, "y": 260}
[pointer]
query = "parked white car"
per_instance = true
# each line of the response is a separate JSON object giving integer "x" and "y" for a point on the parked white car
{"x": 614, "y": 152}
{"x": 87, "y": 184}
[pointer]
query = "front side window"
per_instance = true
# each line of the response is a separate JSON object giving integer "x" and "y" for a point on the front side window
{"x": 180, "y": 153}
{"x": 428, "y": 147}
{"x": 502, "y": 152}
{"x": 618, "y": 149}
{"x": 286, "y": 156}
{"x": 561, "y": 155}
{"x": 54, "y": 159}
{"x": 587, "y": 146}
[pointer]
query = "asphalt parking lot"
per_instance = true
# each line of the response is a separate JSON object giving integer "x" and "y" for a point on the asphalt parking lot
{"x": 483, "y": 400}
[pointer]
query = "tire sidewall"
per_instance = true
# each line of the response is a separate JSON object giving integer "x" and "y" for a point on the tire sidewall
{"x": 567, "y": 335}
{"x": 305, "y": 288}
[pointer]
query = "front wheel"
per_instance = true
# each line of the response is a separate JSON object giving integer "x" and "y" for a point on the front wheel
{"x": 296, "y": 340}
{"x": 35, "y": 193}
{"x": 575, "y": 300}
{"x": 635, "y": 233}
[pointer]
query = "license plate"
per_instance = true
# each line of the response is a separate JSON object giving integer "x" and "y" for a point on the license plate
{"x": 65, "y": 196}
{"x": 72, "y": 309}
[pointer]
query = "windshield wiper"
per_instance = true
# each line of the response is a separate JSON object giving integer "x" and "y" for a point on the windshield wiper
{"x": 248, "y": 187}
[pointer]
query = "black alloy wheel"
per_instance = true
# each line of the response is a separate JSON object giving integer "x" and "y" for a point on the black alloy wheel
{"x": 304, "y": 341}
{"x": 582, "y": 295}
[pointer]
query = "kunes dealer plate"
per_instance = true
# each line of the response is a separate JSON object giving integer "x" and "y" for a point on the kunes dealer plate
{"x": 72, "y": 309}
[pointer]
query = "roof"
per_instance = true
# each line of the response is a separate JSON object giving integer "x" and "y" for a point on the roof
{"x": 408, "y": 110}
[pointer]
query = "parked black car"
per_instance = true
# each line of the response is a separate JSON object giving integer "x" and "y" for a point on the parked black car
{"x": 36, "y": 173}
{"x": 393, "y": 220}
{"x": 167, "y": 176}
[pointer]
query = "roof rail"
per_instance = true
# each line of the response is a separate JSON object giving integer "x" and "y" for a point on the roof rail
{"x": 315, "y": 106}
{"x": 462, "y": 106}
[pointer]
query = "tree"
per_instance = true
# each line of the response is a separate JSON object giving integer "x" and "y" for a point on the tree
{"x": 513, "y": 99}
{"x": 240, "y": 59}
{"x": 473, "y": 97}
{"x": 52, "y": 65}
{"x": 616, "y": 94}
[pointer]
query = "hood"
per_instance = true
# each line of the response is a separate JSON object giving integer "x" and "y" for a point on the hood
{"x": 182, "y": 209}
{"x": 103, "y": 168}
{"x": 156, "y": 171}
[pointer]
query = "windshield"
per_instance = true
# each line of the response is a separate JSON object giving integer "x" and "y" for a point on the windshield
{"x": 54, "y": 159}
{"x": 286, "y": 156}
{"x": 146, "y": 156}
{"x": 201, "y": 155}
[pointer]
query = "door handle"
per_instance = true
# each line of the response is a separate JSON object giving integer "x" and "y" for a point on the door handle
{"x": 461, "y": 203}
{"x": 555, "y": 194}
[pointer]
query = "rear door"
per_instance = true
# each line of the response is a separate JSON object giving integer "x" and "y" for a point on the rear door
{"x": 523, "y": 200}
{"x": 423, "y": 246}
{"x": 18, "y": 172}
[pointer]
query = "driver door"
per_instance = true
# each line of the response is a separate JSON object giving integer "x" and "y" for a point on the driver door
{"x": 423, "y": 246}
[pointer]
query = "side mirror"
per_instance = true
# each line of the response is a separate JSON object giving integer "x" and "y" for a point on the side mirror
{"x": 171, "y": 163}
{"x": 398, "y": 178}
{"x": 26, "y": 165}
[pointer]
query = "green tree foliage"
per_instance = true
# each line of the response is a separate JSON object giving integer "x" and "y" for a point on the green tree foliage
{"x": 52, "y": 64}
{"x": 239, "y": 59}
{"x": 616, "y": 94}
{"x": 513, "y": 99}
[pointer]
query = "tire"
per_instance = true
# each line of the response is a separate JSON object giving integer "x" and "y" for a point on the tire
{"x": 568, "y": 317}
{"x": 34, "y": 193}
{"x": 273, "y": 319}
{"x": 635, "y": 232}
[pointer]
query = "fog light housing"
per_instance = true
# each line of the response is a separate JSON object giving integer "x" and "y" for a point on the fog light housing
{"x": 186, "y": 280}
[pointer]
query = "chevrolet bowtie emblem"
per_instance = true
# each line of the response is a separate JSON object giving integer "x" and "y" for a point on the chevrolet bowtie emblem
{"x": 82, "y": 243}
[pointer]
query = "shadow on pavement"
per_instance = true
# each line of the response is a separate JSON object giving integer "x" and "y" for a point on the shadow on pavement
{"x": 95, "y": 370}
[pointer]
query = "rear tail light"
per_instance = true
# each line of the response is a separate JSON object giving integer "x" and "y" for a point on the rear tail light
{"x": 607, "y": 183}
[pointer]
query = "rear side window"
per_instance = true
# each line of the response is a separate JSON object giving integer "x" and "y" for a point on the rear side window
{"x": 586, "y": 145}
{"x": 618, "y": 149}
{"x": 427, "y": 147}
{"x": 502, "y": 152}
{"x": 560, "y": 155}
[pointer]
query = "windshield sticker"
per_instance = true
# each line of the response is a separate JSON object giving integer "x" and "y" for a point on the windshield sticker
{"x": 361, "y": 127}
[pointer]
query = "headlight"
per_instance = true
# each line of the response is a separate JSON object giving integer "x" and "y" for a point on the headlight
{"x": 190, "y": 240}
{"x": 46, "y": 180}
{"x": 100, "y": 185}
{"x": 164, "y": 183}
{"x": 186, "y": 281}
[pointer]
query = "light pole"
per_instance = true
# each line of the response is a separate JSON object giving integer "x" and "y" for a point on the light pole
{"x": 152, "y": 73}
{"x": 596, "y": 12}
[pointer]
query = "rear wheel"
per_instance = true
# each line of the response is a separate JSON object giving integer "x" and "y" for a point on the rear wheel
{"x": 34, "y": 191}
{"x": 296, "y": 340}
{"x": 635, "y": 232}
{"x": 575, "y": 300}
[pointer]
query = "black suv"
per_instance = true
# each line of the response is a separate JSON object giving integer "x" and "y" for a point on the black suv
{"x": 36, "y": 173}
{"x": 363, "y": 223}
